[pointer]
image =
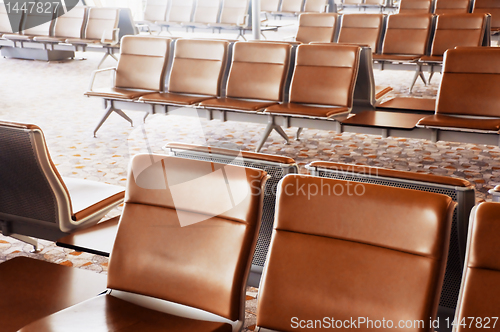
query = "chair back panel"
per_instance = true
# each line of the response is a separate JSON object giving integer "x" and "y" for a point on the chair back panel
{"x": 234, "y": 11}
{"x": 156, "y": 10}
{"x": 291, "y": 6}
{"x": 325, "y": 74}
{"x": 452, "y": 7}
{"x": 180, "y": 11}
{"x": 471, "y": 82}
{"x": 415, "y": 6}
{"x": 101, "y": 22}
{"x": 142, "y": 63}
{"x": 381, "y": 254}
{"x": 362, "y": 29}
{"x": 258, "y": 70}
{"x": 269, "y": 5}
{"x": 407, "y": 34}
{"x": 489, "y": 7}
{"x": 5, "y": 26}
{"x": 315, "y": 6}
{"x": 206, "y": 11}
{"x": 151, "y": 247}
{"x": 71, "y": 24}
{"x": 37, "y": 24}
{"x": 316, "y": 27}
{"x": 198, "y": 66}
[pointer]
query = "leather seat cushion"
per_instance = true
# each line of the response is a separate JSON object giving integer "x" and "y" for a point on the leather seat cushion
{"x": 236, "y": 104}
{"x": 48, "y": 39}
{"x": 299, "y": 109}
{"x": 432, "y": 58}
{"x": 447, "y": 121}
{"x": 116, "y": 93}
{"x": 395, "y": 57}
{"x": 108, "y": 313}
{"x": 81, "y": 41}
{"x": 173, "y": 98}
{"x": 17, "y": 37}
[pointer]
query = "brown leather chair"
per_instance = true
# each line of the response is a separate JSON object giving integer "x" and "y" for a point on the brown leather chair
{"x": 130, "y": 83}
{"x": 67, "y": 26}
{"x": 478, "y": 304}
{"x": 469, "y": 93}
{"x": 457, "y": 30}
{"x": 182, "y": 252}
{"x": 196, "y": 73}
{"x": 35, "y": 201}
{"x": 315, "y": 6}
{"x": 452, "y": 7}
{"x": 256, "y": 79}
{"x": 322, "y": 85}
{"x": 356, "y": 256}
{"x": 415, "y": 6}
{"x": 491, "y": 7}
{"x": 362, "y": 29}
{"x": 315, "y": 27}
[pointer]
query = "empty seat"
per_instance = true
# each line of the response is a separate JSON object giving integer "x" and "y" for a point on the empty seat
{"x": 180, "y": 11}
{"x": 196, "y": 73}
{"x": 35, "y": 200}
{"x": 452, "y": 7}
{"x": 269, "y": 6}
{"x": 469, "y": 93}
{"x": 293, "y": 7}
{"x": 176, "y": 211}
{"x": 234, "y": 15}
{"x": 346, "y": 256}
{"x": 156, "y": 10}
{"x": 34, "y": 24}
{"x": 101, "y": 27}
{"x": 415, "y": 6}
{"x": 131, "y": 81}
{"x": 315, "y": 27}
{"x": 315, "y": 6}
{"x": 478, "y": 304}
{"x": 5, "y": 21}
{"x": 68, "y": 25}
{"x": 206, "y": 12}
{"x": 362, "y": 29}
{"x": 256, "y": 79}
{"x": 491, "y": 7}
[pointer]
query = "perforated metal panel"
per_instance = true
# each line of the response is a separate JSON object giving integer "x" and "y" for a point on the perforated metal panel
{"x": 454, "y": 267}
{"x": 276, "y": 173}
{"x": 24, "y": 189}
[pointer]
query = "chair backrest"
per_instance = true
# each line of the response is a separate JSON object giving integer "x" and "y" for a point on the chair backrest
{"x": 491, "y": 7}
{"x": 316, "y": 27}
{"x": 198, "y": 66}
{"x": 38, "y": 24}
{"x": 454, "y": 30}
{"x": 156, "y": 10}
{"x": 480, "y": 286}
{"x": 407, "y": 34}
{"x": 471, "y": 82}
{"x": 362, "y": 29}
{"x": 101, "y": 22}
{"x": 206, "y": 11}
{"x": 234, "y": 12}
{"x": 269, "y": 5}
{"x": 373, "y": 262}
{"x": 180, "y": 11}
{"x": 34, "y": 200}
{"x": 315, "y": 6}
{"x": 325, "y": 75}
{"x": 415, "y": 6}
{"x": 258, "y": 70}
{"x": 71, "y": 24}
{"x": 5, "y": 24}
{"x": 142, "y": 63}
{"x": 219, "y": 207}
{"x": 452, "y": 7}
{"x": 291, "y": 6}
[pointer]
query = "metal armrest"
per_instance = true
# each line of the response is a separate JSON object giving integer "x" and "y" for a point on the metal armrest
{"x": 115, "y": 40}
{"x": 95, "y": 72}
{"x": 243, "y": 18}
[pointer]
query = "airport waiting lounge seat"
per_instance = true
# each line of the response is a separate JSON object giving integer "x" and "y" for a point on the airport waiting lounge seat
{"x": 452, "y": 7}
{"x": 468, "y": 96}
{"x": 205, "y": 12}
{"x": 70, "y": 25}
{"x": 196, "y": 73}
{"x": 5, "y": 26}
{"x": 290, "y": 7}
{"x": 154, "y": 11}
{"x": 129, "y": 83}
{"x": 415, "y": 6}
{"x": 362, "y": 29}
{"x": 478, "y": 305}
{"x": 35, "y": 201}
{"x": 491, "y": 7}
{"x": 233, "y": 16}
{"x": 179, "y": 12}
{"x": 182, "y": 252}
{"x": 315, "y": 6}
{"x": 33, "y": 24}
{"x": 315, "y": 27}
{"x": 356, "y": 256}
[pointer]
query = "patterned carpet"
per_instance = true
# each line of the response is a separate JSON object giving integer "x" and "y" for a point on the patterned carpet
{"x": 51, "y": 96}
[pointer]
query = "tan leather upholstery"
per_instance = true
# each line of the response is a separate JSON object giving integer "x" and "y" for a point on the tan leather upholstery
{"x": 258, "y": 72}
{"x": 314, "y": 27}
{"x": 269, "y": 6}
{"x": 180, "y": 11}
{"x": 101, "y": 22}
{"x": 116, "y": 93}
{"x": 156, "y": 10}
{"x": 446, "y": 121}
{"x": 315, "y": 6}
{"x": 362, "y": 29}
{"x": 206, "y": 11}
{"x": 407, "y": 34}
{"x": 373, "y": 262}
{"x": 234, "y": 12}
{"x": 455, "y": 30}
{"x": 303, "y": 110}
{"x": 415, "y": 6}
{"x": 70, "y": 25}
{"x": 490, "y": 7}
{"x": 291, "y": 6}
{"x": 452, "y": 7}
{"x": 33, "y": 20}
{"x": 479, "y": 292}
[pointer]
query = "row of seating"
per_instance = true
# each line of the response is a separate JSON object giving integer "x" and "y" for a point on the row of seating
{"x": 82, "y": 28}
{"x": 491, "y": 7}
{"x": 416, "y": 39}
{"x": 371, "y": 271}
